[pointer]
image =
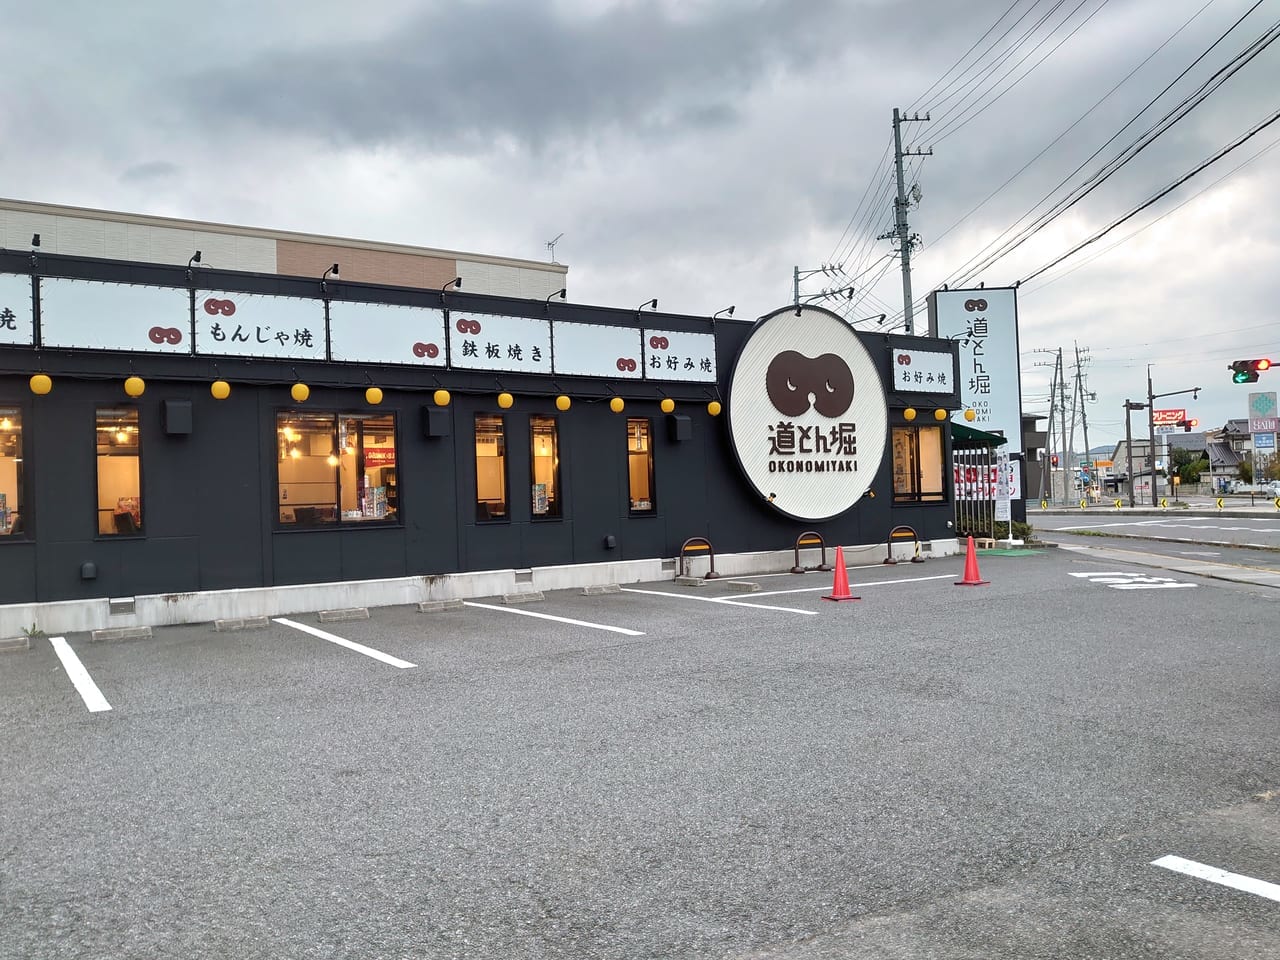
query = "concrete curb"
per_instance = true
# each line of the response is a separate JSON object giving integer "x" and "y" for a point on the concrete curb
{"x": 121, "y": 633}
{"x": 15, "y": 645}
{"x": 342, "y": 616}
{"x": 240, "y": 623}
{"x": 436, "y": 606}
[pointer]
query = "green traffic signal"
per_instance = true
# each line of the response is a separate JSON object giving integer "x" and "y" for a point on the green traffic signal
{"x": 1246, "y": 371}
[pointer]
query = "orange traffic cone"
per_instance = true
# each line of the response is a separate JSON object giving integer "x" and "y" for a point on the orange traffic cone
{"x": 840, "y": 588}
{"x": 971, "y": 576}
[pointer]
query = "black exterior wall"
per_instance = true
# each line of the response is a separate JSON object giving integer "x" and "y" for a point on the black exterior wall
{"x": 209, "y": 498}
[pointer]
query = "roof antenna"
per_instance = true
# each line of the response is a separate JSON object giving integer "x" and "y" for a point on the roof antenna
{"x": 551, "y": 246}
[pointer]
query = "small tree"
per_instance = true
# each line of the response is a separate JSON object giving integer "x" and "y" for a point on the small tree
{"x": 1246, "y": 471}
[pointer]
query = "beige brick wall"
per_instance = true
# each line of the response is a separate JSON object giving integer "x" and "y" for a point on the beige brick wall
{"x": 298, "y": 259}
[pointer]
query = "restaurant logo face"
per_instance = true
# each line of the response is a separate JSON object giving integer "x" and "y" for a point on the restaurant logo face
{"x": 807, "y": 413}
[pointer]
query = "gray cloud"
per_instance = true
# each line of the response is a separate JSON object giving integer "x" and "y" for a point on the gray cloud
{"x": 150, "y": 171}
{"x": 458, "y": 78}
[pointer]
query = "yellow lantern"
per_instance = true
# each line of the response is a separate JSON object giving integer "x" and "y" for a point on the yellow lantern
{"x": 220, "y": 389}
{"x": 300, "y": 392}
{"x": 971, "y": 415}
{"x": 41, "y": 384}
{"x": 714, "y": 408}
{"x": 667, "y": 405}
{"x": 441, "y": 397}
{"x": 134, "y": 386}
{"x": 939, "y": 414}
{"x": 909, "y": 414}
{"x": 505, "y": 400}
{"x": 562, "y": 403}
{"x": 616, "y": 404}
{"x": 373, "y": 396}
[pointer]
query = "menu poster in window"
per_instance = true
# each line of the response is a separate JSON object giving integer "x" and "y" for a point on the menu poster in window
{"x": 493, "y": 342}
{"x": 15, "y": 310}
{"x": 380, "y": 333}
{"x": 114, "y": 316}
{"x": 674, "y": 355}
{"x": 259, "y": 325}
{"x": 592, "y": 350}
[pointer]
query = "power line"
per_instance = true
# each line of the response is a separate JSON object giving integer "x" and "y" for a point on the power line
{"x": 918, "y": 100}
{"x": 1249, "y": 135}
{"x": 1002, "y": 247}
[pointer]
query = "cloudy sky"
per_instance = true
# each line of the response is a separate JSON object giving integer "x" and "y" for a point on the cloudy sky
{"x": 699, "y": 150}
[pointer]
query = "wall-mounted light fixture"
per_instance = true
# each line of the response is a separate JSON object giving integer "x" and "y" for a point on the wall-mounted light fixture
{"x": 35, "y": 240}
{"x": 195, "y": 258}
{"x": 456, "y": 283}
{"x": 651, "y": 304}
{"x": 727, "y": 311}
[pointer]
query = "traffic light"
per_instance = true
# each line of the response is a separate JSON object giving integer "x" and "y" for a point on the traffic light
{"x": 1186, "y": 425}
{"x": 1246, "y": 371}
{"x": 1053, "y": 460}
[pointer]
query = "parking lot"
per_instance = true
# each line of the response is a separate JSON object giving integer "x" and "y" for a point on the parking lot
{"x": 666, "y": 771}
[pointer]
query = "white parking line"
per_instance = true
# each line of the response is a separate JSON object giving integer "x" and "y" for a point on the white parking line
{"x": 724, "y": 600}
{"x": 547, "y": 616}
{"x": 1234, "y": 880}
{"x": 349, "y": 644}
{"x": 859, "y": 583}
{"x": 88, "y": 690}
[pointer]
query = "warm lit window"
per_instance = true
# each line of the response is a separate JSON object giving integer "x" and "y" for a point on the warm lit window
{"x": 640, "y": 465}
{"x": 336, "y": 468}
{"x": 11, "y": 522}
{"x": 917, "y": 464}
{"x": 544, "y": 458}
{"x": 491, "y": 468}
{"x": 119, "y": 472}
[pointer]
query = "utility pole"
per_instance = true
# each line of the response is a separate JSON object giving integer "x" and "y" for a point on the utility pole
{"x": 1066, "y": 444}
{"x": 1084, "y": 418}
{"x": 1046, "y": 475}
{"x": 1152, "y": 397}
{"x": 900, "y": 205}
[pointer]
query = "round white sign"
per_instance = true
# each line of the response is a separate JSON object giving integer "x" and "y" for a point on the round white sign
{"x": 807, "y": 413}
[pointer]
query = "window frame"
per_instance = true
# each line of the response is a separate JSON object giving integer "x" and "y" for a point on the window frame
{"x": 652, "y": 509}
{"x": 141, "y": 532}
{"x": 556, "y": 487}
{"x": 338, "y": 523}
{"x": 21, "y": 478}
{"x": 505, "y": 517}
{"x": 918, "y": 496}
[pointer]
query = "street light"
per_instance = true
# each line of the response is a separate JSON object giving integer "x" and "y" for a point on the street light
{"x": 1152, "y": 397}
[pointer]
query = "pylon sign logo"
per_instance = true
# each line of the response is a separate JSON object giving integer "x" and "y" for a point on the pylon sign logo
{"x": 807, "y": 413}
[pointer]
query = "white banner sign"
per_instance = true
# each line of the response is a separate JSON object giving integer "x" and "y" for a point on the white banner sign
{"x": 920, "y": 371}
{"x": 483, "y": 342}
{"x": 16, "y": 326}
{"x": 1004, "y": 486}
{"x": 114, "y": 316}
{"x": 590, "y": 350}
{"x": 673, "y": 355}
{"x": 984, "y": 323}
{"x": 256, "y": 325}
{"x": 378, "y": 333}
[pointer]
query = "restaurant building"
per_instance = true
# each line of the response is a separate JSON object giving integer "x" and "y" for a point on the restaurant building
{"x": 308, "y": 427}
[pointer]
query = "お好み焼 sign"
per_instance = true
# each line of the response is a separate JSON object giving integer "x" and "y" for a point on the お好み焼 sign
{"x": 807, "y": 413}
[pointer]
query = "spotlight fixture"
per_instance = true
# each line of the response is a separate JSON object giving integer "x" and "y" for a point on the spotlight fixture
{"x": 456, "y": 283}
{"x": 651, "y": 304}
{"x": 728, "y": 311}
{"x": 331, "y": 272}
{"x": 195, "y": 258}
{"x": 559, "y": 293}
{"x": 35, "y": 239}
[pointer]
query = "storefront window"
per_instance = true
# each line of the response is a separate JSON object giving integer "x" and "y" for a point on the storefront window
{"x": 11, "y": 522}
{"x": 336, "y": 468}
{"x": 544, "y": 458}
{"x": 640, "y": 465}
{"x": 119, "y": 472}
{"x": 491, "y": 468}
{"x": 917, "y": 464}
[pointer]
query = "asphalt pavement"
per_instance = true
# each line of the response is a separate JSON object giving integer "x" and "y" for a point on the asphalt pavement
{"x": 931, "y": 771}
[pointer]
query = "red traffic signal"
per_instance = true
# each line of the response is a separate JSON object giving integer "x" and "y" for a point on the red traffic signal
{"x": 1246, "y": 371}
{"x": 1187, "y": 425}
{"x": 1054, "y": 460}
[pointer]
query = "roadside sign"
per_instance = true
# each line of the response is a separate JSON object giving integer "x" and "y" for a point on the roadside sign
{"x": 1084, "y": 502}
{"x": 1264, "y": 441}
{"x": 1167, "y": 417}
{"x": 1164, "y": 502}
{"x": 1118, "y": 502}
{"x": 1218, "y": 501}
{"x": 1044, "y": 504}
{"x": 1262, "y": 413}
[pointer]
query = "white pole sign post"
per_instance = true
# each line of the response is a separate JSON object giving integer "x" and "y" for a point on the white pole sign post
{"x": 984, "y": 323}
